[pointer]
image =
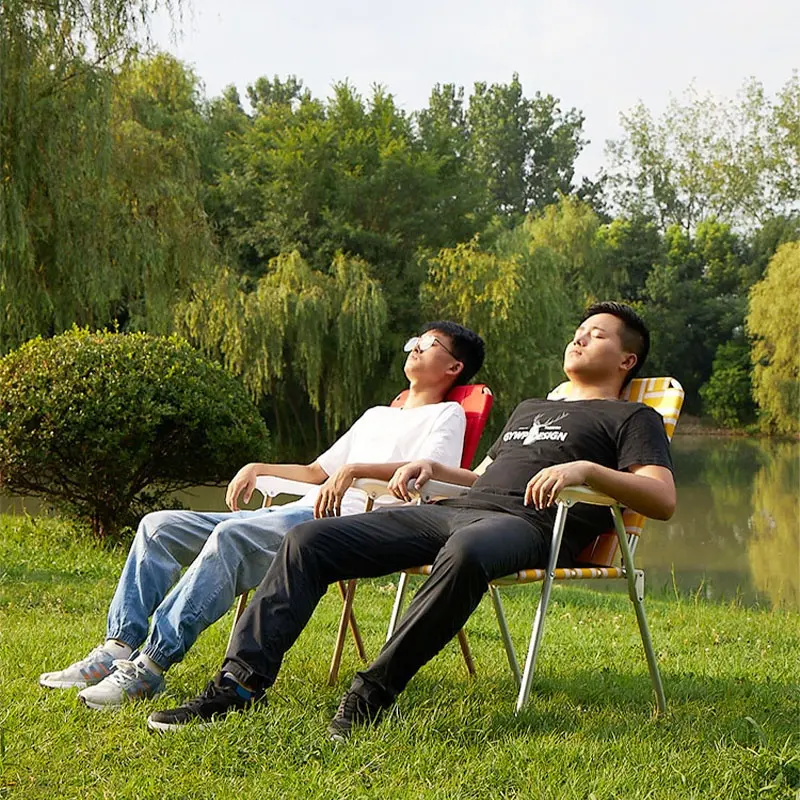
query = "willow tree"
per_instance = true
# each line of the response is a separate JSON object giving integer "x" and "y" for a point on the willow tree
{"x": 513, "y": 294}
{"x": 772, "y": 322}
{"x": 306, "y": 344}
{"x": 66, "y": 234}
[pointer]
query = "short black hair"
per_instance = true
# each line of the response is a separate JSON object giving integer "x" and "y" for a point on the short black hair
{"x": 467, "y": 347}
{"x": 635, "y": 336}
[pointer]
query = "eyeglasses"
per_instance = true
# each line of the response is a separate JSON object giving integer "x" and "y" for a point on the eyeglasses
{"x": 425, "y": 342}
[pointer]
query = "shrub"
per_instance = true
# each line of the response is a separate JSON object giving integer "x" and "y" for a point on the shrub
{"x": 104, "y": 426}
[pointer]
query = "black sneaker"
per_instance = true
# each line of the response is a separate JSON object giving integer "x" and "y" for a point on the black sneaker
{"x": 216, "y": 701}
{"x": 354, "y": 711}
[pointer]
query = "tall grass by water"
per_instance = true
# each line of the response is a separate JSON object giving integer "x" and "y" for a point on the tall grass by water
{"x": 730, "y": 674}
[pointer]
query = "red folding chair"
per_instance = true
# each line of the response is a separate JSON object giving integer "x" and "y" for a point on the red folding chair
{"x": 476, "y": 400}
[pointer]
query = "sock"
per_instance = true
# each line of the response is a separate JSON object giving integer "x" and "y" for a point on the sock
{"x": 117, "y": 649}
{"x": 149, "y": 664}
{"x": 241, "y": 689}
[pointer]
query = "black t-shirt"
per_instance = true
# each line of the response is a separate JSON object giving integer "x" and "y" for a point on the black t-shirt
{"x": 540, "y": 433}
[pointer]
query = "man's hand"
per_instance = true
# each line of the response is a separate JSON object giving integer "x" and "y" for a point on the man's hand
{"x": 244, "y": 481}
{"x": 544, "y": 486}
{"x": 329, "y": 499}
{"x": 420, "y": 472}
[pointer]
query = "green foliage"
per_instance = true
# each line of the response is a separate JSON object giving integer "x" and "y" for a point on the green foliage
{"x": 102, "y": 425}
{"x": 514, "y": 296}
{"x": 728, "y": 394}
{"x": 731, "y": 159}
{"x": 309, "y": 340}
{"x": 100, "y": 215}
{"x": 771, "y": 322}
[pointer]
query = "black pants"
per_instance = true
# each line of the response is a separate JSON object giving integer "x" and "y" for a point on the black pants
{"x": 468, "y": 548}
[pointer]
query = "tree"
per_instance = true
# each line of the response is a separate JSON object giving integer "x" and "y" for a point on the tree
{"x": 514, "y": 296}
{"x": 58, "y": 212}
{"x": 693, "y": 303}
{"x": 728, "y": 394}
{"x": 771, "y": 321}
{"x": 524, "y": 148}
{"x": 305, "y": 342}
{"x": 735, "y": 160}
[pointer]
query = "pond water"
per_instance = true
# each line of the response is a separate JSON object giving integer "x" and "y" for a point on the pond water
{"x": 734, "y": 536}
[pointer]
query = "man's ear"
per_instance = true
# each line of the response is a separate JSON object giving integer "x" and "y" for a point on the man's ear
{"x": 630, "y": 361}
{"x": 455, "y": 369}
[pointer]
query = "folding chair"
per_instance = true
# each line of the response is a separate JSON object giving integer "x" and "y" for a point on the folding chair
{"x": 665, "y": 395}
{"x": 476, "y": 400}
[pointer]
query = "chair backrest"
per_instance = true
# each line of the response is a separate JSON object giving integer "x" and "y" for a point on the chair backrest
{"x": 665, "y": 395}
{"x": 476, "y": 400}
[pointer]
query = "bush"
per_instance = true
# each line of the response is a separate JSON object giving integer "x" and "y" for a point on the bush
{"x": 104, "y": 426}
{"x": 728, "y": 393}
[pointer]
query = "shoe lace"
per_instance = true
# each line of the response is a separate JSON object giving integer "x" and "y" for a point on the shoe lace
{"x": 211, "y": 691}
{"x": 126, "y": 672}
{"x": 349, "y": 706}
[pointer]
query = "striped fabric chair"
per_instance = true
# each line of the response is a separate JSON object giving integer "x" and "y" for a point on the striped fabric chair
{"x": 665, "y": 395}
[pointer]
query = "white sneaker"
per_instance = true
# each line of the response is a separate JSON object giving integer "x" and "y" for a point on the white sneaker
{"x": 91, "y": 670}
{"x": 130, "y": 680}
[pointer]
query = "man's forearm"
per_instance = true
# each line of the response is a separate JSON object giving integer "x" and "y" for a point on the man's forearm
{"x": 305, "y": 473}
{"x": 378, "y": 472}
{"x": 649, "y": 496}
{"x": 461, "y": 477}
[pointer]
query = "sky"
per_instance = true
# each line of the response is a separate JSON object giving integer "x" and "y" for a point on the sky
{"x": 600, "y": 57}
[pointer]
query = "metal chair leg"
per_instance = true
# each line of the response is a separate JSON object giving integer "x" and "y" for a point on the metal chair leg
{"x": 541, "y": 609}
{"x": 636, "y": 593}
{"x": 505, "y": 634}
{"x": 402, "y": 585}
{"x": 240, "y": 607}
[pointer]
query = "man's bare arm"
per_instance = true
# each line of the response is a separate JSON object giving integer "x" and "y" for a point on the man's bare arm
{"x": 424, "y": 470}
{"x": 244, "y": 482}
{"x": 648, "y": 489}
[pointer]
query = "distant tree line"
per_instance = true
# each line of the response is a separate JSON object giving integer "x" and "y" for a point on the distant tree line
{"x": 299, "y": 241}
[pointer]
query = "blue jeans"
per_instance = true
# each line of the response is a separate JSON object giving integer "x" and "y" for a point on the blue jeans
{"x": 226, "y": 553}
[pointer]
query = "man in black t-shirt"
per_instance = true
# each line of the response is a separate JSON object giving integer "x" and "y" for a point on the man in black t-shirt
{"x": 501, "y": 525}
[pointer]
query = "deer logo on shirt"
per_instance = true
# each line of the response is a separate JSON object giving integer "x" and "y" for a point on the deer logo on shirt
{"x": 542, "y": 429}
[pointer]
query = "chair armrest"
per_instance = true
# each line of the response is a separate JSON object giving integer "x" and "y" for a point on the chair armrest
{"x": 570, "y": 495}
{"x": 270, "y": 486}
{"x": 437, "y": 490}
{"x": 432, "y": 490}
{"x": 372, "y": 487}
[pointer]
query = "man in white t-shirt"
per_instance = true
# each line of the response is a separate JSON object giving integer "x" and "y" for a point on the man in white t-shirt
{"x": 229, "y": 553}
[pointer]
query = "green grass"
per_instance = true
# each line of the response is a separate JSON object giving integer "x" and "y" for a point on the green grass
{"x": 731, "y": 730}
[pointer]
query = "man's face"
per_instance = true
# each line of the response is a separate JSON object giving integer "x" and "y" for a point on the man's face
{"x": 436, "y": 362}
{"x": 596, "y": 349}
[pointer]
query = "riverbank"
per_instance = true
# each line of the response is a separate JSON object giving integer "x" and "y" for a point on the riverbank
{"x": 729, "y": 674}
{"x": 690, "y": 425}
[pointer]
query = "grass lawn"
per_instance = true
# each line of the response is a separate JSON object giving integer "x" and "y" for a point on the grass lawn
{"x": 730, "y": 675}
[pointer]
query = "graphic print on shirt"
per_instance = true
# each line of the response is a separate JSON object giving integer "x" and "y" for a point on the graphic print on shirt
{"x": 542, "y": 429}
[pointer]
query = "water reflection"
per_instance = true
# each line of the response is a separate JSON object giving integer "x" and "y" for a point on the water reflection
{"x": 735, "y": 532}
{"x": 734, "y": 535}
{"x": 773, "y": 548}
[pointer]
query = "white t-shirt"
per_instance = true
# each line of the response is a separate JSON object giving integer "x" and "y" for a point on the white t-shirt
{"x": 383, "y": 435}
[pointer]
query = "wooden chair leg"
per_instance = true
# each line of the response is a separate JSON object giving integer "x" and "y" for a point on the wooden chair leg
{"x": 465, "y": 651}
{"x": 354, "y": 629}
{"x": 344, "y": 621}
